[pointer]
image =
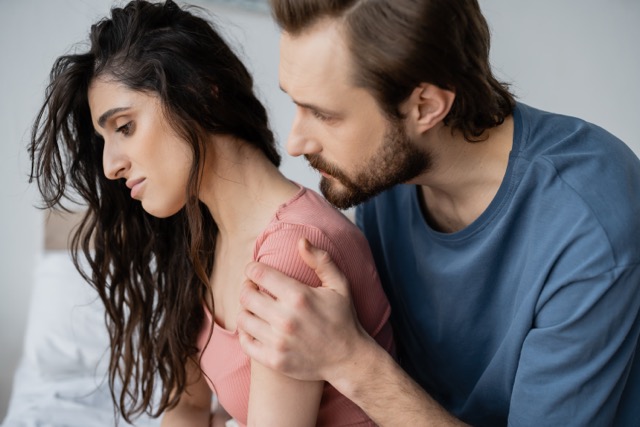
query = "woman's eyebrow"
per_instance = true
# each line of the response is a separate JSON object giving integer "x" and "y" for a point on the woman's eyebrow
{"x": 104, "y": 117}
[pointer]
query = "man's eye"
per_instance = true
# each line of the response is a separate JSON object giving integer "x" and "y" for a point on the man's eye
{"x": 125, "y": 129}
{"x": 319, "y": 116}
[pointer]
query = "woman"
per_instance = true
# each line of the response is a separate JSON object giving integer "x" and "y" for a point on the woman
{"x": 157, "y": 130}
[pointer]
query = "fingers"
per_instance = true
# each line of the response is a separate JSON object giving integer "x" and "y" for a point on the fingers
{"x": 252, "y": 330}
{"x": 249, "y": 328}
{"x": 253, "y": 326}
{"x": 260, "y": 314}
{"x": 272, "y": 280}
{"x": 260, "y": 310}
{"x": 324, "y": 267}
{"x": 250, "y": 346}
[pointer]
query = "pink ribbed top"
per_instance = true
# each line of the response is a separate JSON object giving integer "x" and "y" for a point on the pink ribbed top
{"x": 306, "y": 214}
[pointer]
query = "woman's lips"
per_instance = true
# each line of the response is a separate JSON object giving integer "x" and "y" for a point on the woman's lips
{"x": 135, "y": 186}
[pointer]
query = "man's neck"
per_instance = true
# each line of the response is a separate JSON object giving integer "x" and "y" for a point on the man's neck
{"x": 465, "y": 176}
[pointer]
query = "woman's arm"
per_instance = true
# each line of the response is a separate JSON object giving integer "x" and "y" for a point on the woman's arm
{"x": 278, "y": 400}
{"x": 313, "y": 333}
{"x": 194, "y": 408}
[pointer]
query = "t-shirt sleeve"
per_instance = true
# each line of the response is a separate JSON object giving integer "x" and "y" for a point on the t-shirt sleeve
{"x": 279, "y": 249}
{"x": 576, "y": 360}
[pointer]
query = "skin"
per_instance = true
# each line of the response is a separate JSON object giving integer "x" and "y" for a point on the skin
{"x": 158, "y": 161}
{"x": 314, "y": 333}
{"x": 242, "y": 190}
{"x": 354, "y": 122}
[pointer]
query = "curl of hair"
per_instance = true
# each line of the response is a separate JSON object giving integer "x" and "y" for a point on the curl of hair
{"x": 398, "y": 44}
{"x": 151, "y": 274}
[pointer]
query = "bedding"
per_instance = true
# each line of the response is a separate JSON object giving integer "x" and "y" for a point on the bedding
{"x": 61, "y": 378}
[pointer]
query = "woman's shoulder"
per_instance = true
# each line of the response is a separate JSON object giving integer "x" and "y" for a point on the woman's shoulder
{"x": 309, "y": 209}
{"x": 309, "y": 215}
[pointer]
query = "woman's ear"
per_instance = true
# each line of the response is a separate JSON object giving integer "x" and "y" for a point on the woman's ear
{"x": 427, "y": 106}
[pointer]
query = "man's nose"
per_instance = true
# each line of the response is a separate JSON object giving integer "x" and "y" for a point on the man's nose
{"x": 301, "y": 139}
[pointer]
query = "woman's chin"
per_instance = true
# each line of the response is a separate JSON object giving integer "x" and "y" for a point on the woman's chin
{"x": 160, "y": 212}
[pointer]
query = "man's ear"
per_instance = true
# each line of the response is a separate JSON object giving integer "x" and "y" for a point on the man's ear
{"x": 428, "y": 105}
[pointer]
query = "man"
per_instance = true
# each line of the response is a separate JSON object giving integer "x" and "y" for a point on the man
{"x": 506, "y": 237}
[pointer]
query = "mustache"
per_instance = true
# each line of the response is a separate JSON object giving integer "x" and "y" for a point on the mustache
{"x": 319, "y": 164}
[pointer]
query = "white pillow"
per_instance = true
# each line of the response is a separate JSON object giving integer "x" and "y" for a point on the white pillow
{"x": 66, "y": 334}
{"x": 61, "y": 380}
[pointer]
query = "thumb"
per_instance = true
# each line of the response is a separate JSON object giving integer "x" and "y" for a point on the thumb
{"x": 324, "y": 267}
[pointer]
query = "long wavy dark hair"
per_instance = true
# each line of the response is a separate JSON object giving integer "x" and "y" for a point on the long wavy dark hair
{"x": 398, "y": 44}
{"x": 151, "y": 274}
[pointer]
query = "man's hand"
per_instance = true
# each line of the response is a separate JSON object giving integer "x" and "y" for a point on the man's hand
{"x": 303, "y": 332}
{"x": 314, "y": 334}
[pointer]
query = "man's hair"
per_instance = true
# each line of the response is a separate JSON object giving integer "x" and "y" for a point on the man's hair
{"x": 151, "y": 274}
{"x": 398, "y": 44}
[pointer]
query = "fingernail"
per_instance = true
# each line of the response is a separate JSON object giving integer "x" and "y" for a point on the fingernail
{"x": 250, "y": 269}
{"x": 305, "y": 243}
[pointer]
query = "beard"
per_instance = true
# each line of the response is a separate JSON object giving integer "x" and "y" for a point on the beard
{"x": 397, "y": 161}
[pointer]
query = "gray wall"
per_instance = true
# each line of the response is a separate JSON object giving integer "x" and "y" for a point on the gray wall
{"x": 573, "y": 56}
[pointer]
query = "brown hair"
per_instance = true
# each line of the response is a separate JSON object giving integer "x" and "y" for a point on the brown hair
{"x": 151, "y": 274}
{"x": 398, "y": 44}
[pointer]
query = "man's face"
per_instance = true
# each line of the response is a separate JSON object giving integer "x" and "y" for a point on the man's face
{"x": 339, "y": 127}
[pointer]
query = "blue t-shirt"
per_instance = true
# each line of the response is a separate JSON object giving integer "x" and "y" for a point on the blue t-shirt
{"x": 531, "y": 314}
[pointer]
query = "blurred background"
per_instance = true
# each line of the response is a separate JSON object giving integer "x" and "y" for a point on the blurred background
{"x": 577, "y": 57}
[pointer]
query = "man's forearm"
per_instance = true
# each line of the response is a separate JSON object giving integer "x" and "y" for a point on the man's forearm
{"x": 381, "y": 388}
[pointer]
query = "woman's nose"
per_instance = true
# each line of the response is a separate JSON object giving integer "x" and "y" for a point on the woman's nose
{"x": 114, "y": 161}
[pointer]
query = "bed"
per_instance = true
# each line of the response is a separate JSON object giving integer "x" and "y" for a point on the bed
{"x": 61, "y": 378}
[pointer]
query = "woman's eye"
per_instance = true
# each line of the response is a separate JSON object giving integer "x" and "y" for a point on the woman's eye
{"x": 125, "y": 129}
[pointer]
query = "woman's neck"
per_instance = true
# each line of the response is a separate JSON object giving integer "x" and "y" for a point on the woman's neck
{"x": 242, "y": 188}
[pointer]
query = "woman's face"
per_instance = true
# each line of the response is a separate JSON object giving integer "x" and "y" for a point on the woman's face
{"x": 140, "y": 146}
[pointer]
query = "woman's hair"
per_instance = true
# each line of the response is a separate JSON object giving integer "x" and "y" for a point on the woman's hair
{"x": 398, "y": 44}
{"x": 151, "y": 274}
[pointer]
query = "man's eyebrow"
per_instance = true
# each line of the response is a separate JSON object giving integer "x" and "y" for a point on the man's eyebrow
{"x": 311, "y": 106}
{"x": 315, "y": 108}
{"x": 104, "y": 117}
